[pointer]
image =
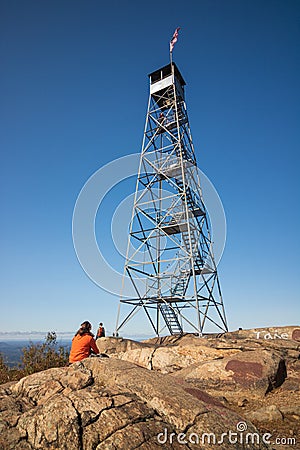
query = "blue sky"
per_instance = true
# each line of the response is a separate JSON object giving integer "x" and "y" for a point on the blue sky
{"x": 74, "y": 92}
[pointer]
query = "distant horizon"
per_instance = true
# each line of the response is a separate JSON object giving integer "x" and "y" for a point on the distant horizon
{"x": 37, "y": 333}
{"x": 13, "y": 335}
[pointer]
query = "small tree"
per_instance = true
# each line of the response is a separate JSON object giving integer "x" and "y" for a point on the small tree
{"x": 8, "y": 373}
{"x": 39, "y": 357}
{"x": 4, "y": 370}
{"x": 36, "y": 357}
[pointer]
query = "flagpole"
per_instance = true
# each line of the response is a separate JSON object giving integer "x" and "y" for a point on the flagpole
{"x": 171, "y": 63}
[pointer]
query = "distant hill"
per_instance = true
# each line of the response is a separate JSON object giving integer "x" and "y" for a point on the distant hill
{"x": 12, "y": 352}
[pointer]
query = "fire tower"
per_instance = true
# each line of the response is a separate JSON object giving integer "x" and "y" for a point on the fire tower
{"x": 170, "y": 262}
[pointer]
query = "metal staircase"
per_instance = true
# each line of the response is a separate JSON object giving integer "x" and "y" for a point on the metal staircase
{"x": 190, "y": 241}
{"x": 179, "y": 287}
{"x": 197, "y": 257}
{"x": 194, "y": 204}
{"x": 170, "y": 318}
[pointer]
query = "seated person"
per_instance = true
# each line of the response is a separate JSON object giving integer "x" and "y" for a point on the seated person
{"x": 83, "y": 343}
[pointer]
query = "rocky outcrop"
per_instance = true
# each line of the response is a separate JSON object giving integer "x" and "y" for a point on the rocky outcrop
{"x": 112, "y": 404}
{"x": 116, "y": 346}
{"x": 164, "y": 355}
{"x": 173, "y": 353}
{"x": 249, "y": 373}
{"x": 254, "y": 371}
{"x": 172, "y": 393}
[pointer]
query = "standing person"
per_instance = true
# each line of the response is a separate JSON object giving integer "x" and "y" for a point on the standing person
{"x": 101, "y": 331}
{"x": 83, "y": 343}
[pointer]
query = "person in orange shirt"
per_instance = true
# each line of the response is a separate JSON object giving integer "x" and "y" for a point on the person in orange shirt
{"x": 83, "y": 343}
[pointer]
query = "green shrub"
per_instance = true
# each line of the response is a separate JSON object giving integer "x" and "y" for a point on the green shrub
{"x": 4, "y": 370}
{"x": 39, "y": 357}
{"x": 36, "y": 357}
{"x": 8, "y": 373}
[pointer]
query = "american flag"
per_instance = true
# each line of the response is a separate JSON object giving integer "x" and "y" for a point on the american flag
{"x": 174, "y": 39}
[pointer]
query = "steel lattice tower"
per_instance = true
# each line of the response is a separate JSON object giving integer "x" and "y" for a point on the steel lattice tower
{"x": 169, "y": 262}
